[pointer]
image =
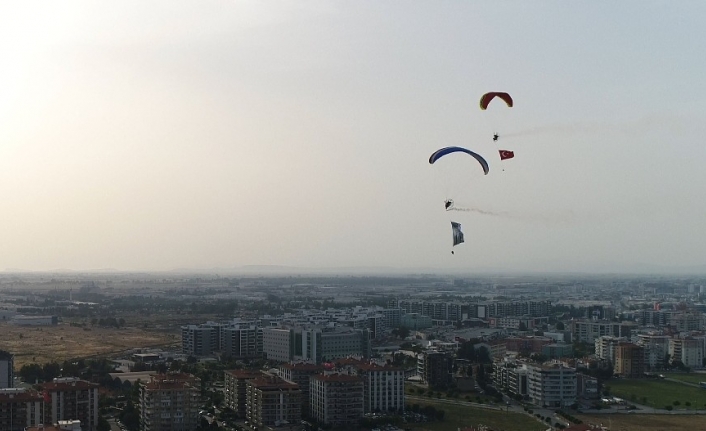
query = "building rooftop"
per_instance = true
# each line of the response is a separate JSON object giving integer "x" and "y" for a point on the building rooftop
{"x": 171, "y": 381}
{"x": 303, "y": 366}
{"x": 376, "y": 367}
{"x": 244, "y": 374}
{"x": 337, "y": 378}
{"x": 271, "y": 383}
{"x": 69, "y": 385}
{"x": 19, "y": 394}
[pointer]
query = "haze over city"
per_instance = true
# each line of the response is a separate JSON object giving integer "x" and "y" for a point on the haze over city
{"x": 193, "y": 135}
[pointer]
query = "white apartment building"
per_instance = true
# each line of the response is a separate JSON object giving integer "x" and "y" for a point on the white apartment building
{"x": 277, "y": 343}
{"x": 690, "y": 351}
{"x": 241, "y": 341}
{"x": 551, "y": 385}
{"x": 383, "y": 388}
{"x": 586, "y": 331}
{"x": 605, "y": 347}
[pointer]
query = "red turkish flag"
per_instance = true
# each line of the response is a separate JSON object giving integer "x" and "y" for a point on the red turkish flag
{"x": 505, "y": 154}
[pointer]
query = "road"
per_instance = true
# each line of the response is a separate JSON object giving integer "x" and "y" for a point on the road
{"x": 113, "y": 425}
{"x": 682, "y": 382}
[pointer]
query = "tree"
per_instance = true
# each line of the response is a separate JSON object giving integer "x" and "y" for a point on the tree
{"x": 103, "y": 424}
{"x": 31, "y": 373}
{"x": 559, "y": 326}
{"x": 400, "y": 332}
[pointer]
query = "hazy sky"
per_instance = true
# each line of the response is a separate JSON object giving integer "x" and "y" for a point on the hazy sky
{"x": 151, "y": 135}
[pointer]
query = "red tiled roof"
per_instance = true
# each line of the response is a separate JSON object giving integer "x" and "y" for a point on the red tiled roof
{"x": 245, "y": 374}
{"x": 28, "y": 395}
{"x": 79, "y": 385}
{"x": 303, "y": 366}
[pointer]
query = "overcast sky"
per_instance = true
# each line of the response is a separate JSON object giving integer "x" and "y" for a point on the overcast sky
{"x": 170, "y": 134}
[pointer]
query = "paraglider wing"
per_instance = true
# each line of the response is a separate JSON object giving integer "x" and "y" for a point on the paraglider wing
{"x": 487, "y": 97}
{"x": 457, "y": 234}
{"x": 448, "y": 150}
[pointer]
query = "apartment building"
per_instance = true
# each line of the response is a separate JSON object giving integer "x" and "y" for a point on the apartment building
{"x": 70, "y": 398}
{"x": 301, "y": 373}
{"x": 272, "y": 401}
{"x": 689, "y": 351}
{"x": 199, "y": 340}
{"x": 337, "y": 399}
{"x": 415, "y": 321}
{"x": 278, "y": 344}
{"x": 629, "y": 360}
{"x": 551, "y": 385}
{"x": 510, "y": 308}
{"x": 241, "y": 341}
{"x": 315, "y": 344}
{"x": 392, "y": 317}
{"x": 20, "y": 408}
{"x": 7, "y": 363}
{"x": 511, "y": 376}
{"x": 235, "y": 389}
{"x": 586, "y": 331}
{"x": 170, "y": 402}
{"x": 435, "y": 368}
{"x": 383, "y": 388}
{"x": 688, "y": 321}
{"x": 605, "y": 347}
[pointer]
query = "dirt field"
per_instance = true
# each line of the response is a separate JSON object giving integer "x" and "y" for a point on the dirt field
{"x": 639, "y": 422}
{"x": 46, "y": 343}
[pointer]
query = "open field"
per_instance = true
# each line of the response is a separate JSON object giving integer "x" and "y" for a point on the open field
{"x": 687, "y": 377}
{"x": 43, "y": 344}
{"x": 646, "y": 422}
{"x": 659, "y": 393}
{"x": 461, "y": 416}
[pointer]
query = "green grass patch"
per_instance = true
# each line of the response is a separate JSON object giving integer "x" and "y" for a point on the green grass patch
{"x": 462, "y": 416}
{"x": 659, "y": 393}
{"x": 687, "y": 377}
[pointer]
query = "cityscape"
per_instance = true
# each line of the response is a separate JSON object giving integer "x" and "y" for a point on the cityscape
{"x": 306, "y": 352}
{"x": 369, "y": 215}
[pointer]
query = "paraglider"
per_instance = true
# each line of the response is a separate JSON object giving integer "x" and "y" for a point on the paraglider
{"x": 448, "y": 204}
{"x": 448, "y": 150}
{"x": 487, "y": 97}
{"x": 484, "y": 102}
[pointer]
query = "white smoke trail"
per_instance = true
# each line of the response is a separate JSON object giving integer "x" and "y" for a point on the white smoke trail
{"x": 541, "y": 218}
